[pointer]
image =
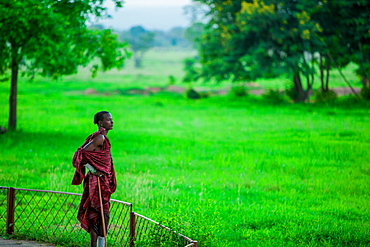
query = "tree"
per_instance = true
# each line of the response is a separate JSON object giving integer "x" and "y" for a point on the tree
{"x": 140, "y": 41}
{"x": 194, "y": 33}
{"x": 245, "y": 40}
{"x": 356, "y": 23}
{"x": 176, "y": 34}
{"x": 51, "y": 38}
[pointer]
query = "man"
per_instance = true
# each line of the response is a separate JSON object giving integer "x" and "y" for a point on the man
{"x": 95, "y": 155}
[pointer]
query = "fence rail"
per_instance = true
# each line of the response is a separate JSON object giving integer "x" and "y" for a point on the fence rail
{"x": 50, "y": 216}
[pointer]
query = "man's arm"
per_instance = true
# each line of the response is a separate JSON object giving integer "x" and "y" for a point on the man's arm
{"x": 94, "y": 145}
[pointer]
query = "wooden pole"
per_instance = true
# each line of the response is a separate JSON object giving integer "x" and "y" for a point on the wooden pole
{"x": 102, "y": 213}
{"x": 10, "y": 212}
{"x": 132, "y": 229}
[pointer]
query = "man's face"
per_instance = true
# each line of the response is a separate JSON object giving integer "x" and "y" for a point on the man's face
{"x": 107, "y": 122}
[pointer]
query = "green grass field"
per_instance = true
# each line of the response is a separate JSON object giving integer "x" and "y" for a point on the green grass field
{"x": 226, "y": 172}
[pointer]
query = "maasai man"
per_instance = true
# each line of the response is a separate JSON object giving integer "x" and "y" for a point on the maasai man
{"x": 95, "y": 155}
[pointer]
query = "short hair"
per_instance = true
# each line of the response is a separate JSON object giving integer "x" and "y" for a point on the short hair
{"x": 99, "y": 116}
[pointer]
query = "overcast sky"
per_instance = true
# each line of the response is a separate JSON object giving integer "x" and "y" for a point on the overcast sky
{"x": 151, "y": 14}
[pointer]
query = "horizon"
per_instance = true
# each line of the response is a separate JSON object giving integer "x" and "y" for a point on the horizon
{"x": 152, "y": 15}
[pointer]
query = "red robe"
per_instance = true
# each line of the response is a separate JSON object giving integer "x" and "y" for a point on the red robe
{"x": 89, "y": 209}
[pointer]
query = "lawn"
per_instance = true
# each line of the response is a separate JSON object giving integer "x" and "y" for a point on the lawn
{"x": 224, "y": 171}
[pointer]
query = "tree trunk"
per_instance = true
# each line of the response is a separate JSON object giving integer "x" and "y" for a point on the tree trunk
{"x": 363, "y": 60}
{"x": 365, "y": 82}
{"x": 321, "y": 66}
{"x": 137, "y": 62}
{"x": 327, "y": 77}
{"x": 13, "y": 91}
{"x": 298, "y": 88}
{"x": 137, "y": 59}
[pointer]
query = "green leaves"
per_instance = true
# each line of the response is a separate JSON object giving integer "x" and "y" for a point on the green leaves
{"x": 244, "y": 40}
{"x": 140, "y": 41}
{"x": 51, "y": 38}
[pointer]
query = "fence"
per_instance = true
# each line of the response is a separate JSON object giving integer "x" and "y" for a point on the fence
{"x": 50, "y": 216}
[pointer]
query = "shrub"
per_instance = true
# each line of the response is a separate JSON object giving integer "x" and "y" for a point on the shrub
{"x": 274, "y": 96}
{"x": 204, "y": 95}
{"x": 171, "y": 80}
{"x": 291, "y": 93}
{"x": 365, "y": 93}
{"x": 325, "y": 96}
{"x": 239, "y": 91}
{"x": 191, "y": 70}
{"x": 192, "y": 94}
{"x": 295, "y": 95}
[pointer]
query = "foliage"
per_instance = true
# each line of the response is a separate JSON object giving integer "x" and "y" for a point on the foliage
{"x": 238, "y": 90}
{"x": 291, "y": 92}
{"x": 191, "y": 93}
{"x": 192, "y": 72}
{"x": 355, "y": 19}
{"x": 274, "y": 96}
{"x": 245, "y": 40}
{"x": 194, "y": 32}
{"x": 171, "y": 80}
{"x": 51, "y": 38}
{"x": 176, "y": 34}
{"x": 172, "y": 38}
{"x": 365, "y": 93}
{"x": 325, "y": 96}
{"x": 140, "y": 40}
{"x": 205, "y": 94}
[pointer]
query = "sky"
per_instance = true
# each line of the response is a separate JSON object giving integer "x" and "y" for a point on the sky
{"x": 151, "y": 14}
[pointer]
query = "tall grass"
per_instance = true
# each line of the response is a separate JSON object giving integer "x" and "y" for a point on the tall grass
{"x": 227, "y": 172}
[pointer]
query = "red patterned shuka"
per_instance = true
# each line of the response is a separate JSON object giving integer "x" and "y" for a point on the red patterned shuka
{"x": 89, "y": 212}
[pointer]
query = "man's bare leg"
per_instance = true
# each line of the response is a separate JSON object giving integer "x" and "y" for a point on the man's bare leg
{"x": 93, "y": 238}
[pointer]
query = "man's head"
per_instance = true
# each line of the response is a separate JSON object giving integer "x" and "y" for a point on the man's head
{"x": 104, "y": 119}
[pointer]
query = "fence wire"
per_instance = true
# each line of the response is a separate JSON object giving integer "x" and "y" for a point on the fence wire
{"x": 50, "y": 216}
{"x": 151, "y": 233}
{"x": 3, "y": 204}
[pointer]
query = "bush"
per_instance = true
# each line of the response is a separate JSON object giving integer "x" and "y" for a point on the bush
{"x": 365, "y": 93}
{"x": 192, "y": 94}
{"x": 291, "y": 93}
{"x": 171, "y": 80}
{"x": 274, "y": 96}
{"x": 325, "y": 96}
{"x": 191, "y": 71}
{"x": 204, "y": 95}
{"x": 295, "y": 95}
{"x": 239, "y": 91}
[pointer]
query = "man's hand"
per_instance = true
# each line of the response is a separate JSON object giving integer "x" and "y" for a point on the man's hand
{"x": 99, "y": 173}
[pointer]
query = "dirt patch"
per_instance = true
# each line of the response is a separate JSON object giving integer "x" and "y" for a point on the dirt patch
{"x": 90, "y": 91}
{"x": 256, "y": 91}
{"x": 345, "y": 91}
{"x": 174, "y": 89}
{"x": 253, "y": 89}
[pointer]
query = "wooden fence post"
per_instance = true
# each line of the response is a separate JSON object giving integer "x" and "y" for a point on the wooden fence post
{"x": 10, "y": 211}
{"x": 132, "y": 229}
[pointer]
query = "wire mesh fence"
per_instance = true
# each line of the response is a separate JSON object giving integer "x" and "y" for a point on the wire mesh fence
{"x": 3, "y": 206}
{"x": 151, "y": 233}
{"x": 51, "y": 217}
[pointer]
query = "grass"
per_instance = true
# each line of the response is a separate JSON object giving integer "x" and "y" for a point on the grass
{"x": 227, "y": 172}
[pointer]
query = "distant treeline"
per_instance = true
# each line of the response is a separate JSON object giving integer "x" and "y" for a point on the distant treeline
{"x": 176, "y": 36}
{"x": 141, "y": 40}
